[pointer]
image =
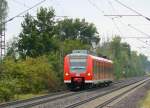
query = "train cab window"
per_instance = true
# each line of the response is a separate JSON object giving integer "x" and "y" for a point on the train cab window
{"x": 78, "y": 64}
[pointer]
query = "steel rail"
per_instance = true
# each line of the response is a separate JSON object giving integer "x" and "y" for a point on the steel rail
{"x": 43, "y": 99}
{"x": 46, "y": 98}
{"x": 100, "y": 95}
{"x": 31, "y": 99}
{"x": 116, "y": 97}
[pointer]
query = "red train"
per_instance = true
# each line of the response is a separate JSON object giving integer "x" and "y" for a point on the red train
{"x": 83, "y": 69}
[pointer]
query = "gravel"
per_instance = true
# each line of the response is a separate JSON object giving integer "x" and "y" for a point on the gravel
{"x": 61, "y": 103}
{"x": 132, "y": 101}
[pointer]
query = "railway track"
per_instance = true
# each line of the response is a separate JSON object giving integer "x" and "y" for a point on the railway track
{"x": 37, "y": 100}
{"x": 107, "y": 99}
{"x": 110, "y": 102}
{"x": 42, "y": 101}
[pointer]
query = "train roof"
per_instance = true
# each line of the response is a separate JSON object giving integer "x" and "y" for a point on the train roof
{"x": 86, "y": 55}
{"x": 101, "y": 59}
{"x": 78, "y": 54}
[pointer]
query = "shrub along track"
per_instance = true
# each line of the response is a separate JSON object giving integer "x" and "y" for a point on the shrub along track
{"x": 66, "y": 98}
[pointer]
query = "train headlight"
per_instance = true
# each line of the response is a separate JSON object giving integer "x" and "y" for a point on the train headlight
{"x": 66, "y": 74}
{"x": 89, "y": 74}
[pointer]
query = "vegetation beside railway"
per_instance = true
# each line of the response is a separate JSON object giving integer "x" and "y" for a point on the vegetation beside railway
{"x": 145, "y": 102}
{"x": 34, "y": 60}
{"x": 127, "y": 63}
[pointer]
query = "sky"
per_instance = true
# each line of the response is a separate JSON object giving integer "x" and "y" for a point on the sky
{"x": 93, "y": 11}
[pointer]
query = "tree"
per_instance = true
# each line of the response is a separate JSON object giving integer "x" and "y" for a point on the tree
{"x": 12, "y": 49}
{"x": 127, "y": 63}
{"x": 43, "y": 35}
{"x": 77, "y": 29}
{"x": 36, "y": 37}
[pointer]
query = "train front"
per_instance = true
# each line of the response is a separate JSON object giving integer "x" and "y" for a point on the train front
{"x": 76, "y": 70}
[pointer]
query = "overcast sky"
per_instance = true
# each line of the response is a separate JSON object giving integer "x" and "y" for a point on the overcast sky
{"x": 94, "y": 14}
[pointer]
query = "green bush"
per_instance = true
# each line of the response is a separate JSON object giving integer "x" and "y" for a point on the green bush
{"x": 33, "y": 74}
{"x": 7, "y": 89}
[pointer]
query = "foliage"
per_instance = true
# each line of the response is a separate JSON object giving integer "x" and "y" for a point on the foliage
{"x": 127, "y": 63}
{"x": 36, "y": 37}
{"x": 145, "y": 103}
{"x": 32, "y": 75}
{"x": 34, "y": 60}
{"x": 7, "y": 89}
{"x": 77, "y": 29}
{"x": 12, "y": 49}
{"x": 43, "y": 34}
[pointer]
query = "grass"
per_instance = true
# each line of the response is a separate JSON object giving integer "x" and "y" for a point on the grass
{"x": 146, "y": 102}
{"x": 27, "y": 96}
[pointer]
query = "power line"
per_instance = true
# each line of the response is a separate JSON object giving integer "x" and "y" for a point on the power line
{"x": 94, "y": 5}
{"x": 117, "y": 27}
{"x": 20, "y": 3}
{"x": 110, "y": 3}
{"x": 136, "y": 37}
{"x": 44, "y": 16}
{"x": 138, "y": 30}
{"x": 144, "y": 42}
{"x": 133, "y": 10}
{"x": 24, "y": 11}
{"x": 121, "y": 15}
{"x": 139, "y": 14}
{"x": 130, "y": 26}
{"x": 127, "y": 15}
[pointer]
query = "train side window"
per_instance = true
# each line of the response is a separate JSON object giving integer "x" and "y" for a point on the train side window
{"x": 94, "y": 66}
{"x": 97, "y": 66}
{"x": 101, "y": 69}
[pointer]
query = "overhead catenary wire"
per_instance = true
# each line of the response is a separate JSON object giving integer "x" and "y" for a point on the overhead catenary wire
{"x": 44, "y": 16}
{"x": 137, "y": 38}
{"x": 20, "y": 3}
{"x": 117, "y": 27}
{"x": 128, "y": 25}
{"x": 94, "y": 5}
{"x": 131, "y": 15}
{"x": 23, "y": 12}
{"x": 133, "y": 10}
{"x": 148, "y": 45}
{"x": 113, "y": 20}
{"x": 138, "y": 30}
